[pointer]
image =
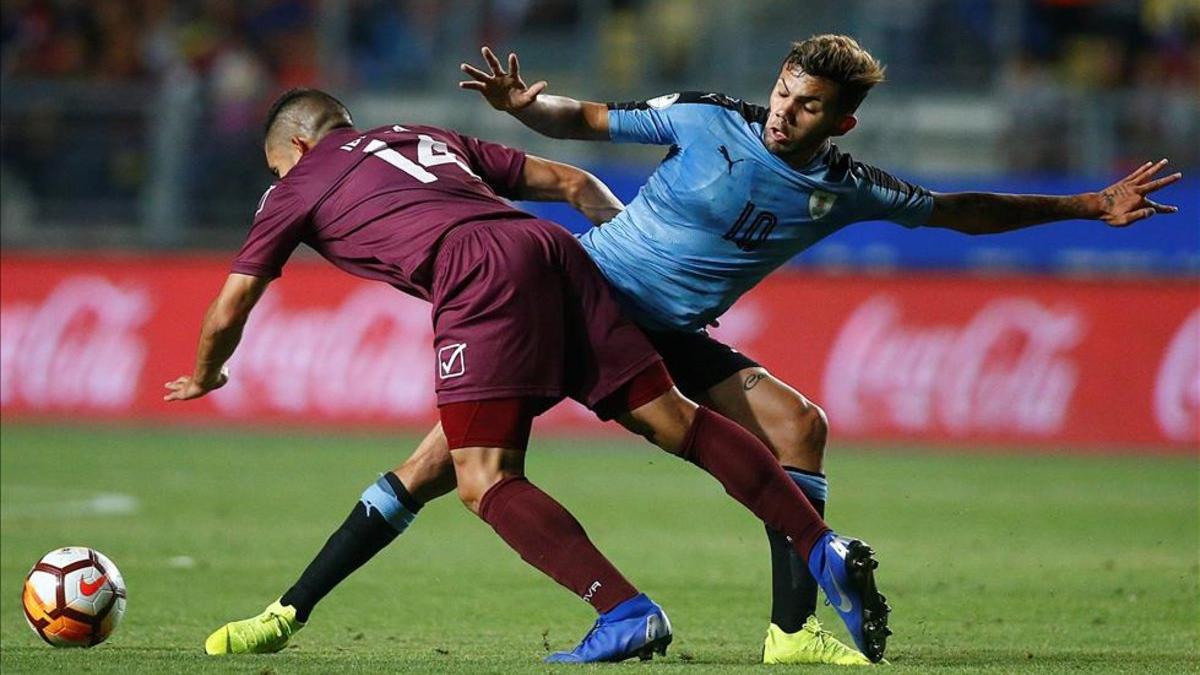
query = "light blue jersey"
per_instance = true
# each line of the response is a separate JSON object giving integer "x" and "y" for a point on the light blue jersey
{"x": 721, "y": 212}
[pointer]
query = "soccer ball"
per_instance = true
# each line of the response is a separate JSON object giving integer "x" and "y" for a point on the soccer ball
{"x": 74, "y": 597}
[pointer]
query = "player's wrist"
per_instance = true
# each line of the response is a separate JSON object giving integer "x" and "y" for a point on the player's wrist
{"x": 1090, "y": 205}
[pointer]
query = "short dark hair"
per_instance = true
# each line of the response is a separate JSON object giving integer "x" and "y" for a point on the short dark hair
{"x": 310, "y": 110}
{"x": 838, "y": 58}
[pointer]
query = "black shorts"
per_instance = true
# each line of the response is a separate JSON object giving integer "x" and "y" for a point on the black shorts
{"x": 696, "y": 361}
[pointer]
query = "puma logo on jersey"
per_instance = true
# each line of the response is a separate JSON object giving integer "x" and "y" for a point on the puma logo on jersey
{"x": 725, "y": 153}
{"x": 587, "y": 597}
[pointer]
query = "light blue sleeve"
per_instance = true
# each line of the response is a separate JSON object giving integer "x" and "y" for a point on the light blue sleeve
{"x": 665, "y": 120}
{"x": 882, "y": 196}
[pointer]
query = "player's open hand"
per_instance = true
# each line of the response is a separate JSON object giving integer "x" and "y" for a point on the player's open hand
{"x": 186, "y": 388}
{"x": 1125, "y": 202}
{"x": 503, "y": 90}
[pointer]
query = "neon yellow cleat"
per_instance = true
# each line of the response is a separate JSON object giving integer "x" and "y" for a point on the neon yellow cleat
{"x": 809, "y": 645}
{"x": 266, "y": 633}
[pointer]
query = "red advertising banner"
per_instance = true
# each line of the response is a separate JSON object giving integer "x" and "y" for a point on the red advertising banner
{"x": 949, "y": 359}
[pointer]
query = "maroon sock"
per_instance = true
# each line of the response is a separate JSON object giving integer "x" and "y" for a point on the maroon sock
{"x": 548, "y": 537}
{"x": 752, "y": 475}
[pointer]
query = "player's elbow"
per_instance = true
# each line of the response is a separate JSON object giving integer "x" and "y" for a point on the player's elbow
{"x": 575, "y": 183}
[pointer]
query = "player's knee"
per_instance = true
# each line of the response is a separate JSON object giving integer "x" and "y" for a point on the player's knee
{"x": 472, "y": 489}
{"x": 477, "y": 470}
{"x": 801, "y": 439}
{"x": 664, "y": 421}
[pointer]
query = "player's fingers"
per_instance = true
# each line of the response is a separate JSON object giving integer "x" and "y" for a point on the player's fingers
{"x": 477, "y": 86}
{"x": 1147, "y": 188}
{"x": 536, "y": 88}
{"x": 475, "y": 72}
{"x": 514, "y": 67}
{"x": 1146, "y": 170}
{"x": 1136, "y": 172}
{"x": 1140, "y": 214}
{"x": 1149, "y": 173}
{"x": 1162, "y": 208}
{"x": 492, "y": 61}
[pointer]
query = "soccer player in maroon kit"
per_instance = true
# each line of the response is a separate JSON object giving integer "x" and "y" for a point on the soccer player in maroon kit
{"x": 522, "y": 319}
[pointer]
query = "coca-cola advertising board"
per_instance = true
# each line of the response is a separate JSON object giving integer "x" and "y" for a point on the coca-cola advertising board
{"x": 1039, "y": 362}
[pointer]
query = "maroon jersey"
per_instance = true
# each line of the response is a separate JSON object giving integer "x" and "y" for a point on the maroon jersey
{"x": 378, "y": 203}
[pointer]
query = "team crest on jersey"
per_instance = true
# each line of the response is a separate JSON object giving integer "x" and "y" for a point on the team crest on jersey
{"x": 660, "y": 102}
{"x": 452, "y": 361}
{"x": 820, "y": 203}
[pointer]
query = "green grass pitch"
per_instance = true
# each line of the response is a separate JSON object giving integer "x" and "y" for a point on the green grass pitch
{"x": 994, "y": 563}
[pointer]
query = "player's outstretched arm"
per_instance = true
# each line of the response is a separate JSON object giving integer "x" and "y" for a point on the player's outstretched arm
{"x": 1122, "y": 203}
{"x": 543, "y": 180}
{"x": 219, "y": 336}
{"x": 553, "y": 116}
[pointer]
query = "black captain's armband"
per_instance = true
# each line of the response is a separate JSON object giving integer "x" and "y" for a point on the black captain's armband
{"x": 749, "y": 111}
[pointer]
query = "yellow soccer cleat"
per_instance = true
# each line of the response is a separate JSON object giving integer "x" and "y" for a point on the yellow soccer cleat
{"x": 266, "y": 633}
{"x": 810, "y": 645}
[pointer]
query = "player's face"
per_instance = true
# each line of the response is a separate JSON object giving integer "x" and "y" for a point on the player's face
{"x": 803, "y": 113}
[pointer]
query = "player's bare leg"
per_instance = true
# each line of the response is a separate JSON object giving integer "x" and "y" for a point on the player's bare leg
{"x": 795, "y": 429}
{"x": 428, "y": 473}
{"x": 751, "y": 474}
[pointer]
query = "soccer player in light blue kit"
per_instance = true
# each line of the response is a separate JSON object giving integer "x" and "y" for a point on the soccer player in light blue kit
{"x": 742, "y": 190}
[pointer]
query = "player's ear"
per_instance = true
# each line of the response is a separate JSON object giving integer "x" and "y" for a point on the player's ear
{"x": 845, "y": 124}
{"x": 301, "y": 144}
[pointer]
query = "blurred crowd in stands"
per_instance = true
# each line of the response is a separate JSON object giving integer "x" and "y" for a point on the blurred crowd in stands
{"x": 237, "y": 54}
{"x": 240, "y": 44}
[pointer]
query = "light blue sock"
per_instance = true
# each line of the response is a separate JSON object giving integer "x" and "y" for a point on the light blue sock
{"x": 388, "y": 496}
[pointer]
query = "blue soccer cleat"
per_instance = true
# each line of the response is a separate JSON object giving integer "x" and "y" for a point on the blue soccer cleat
{"x": 845, "y": 570}
{"x": 636, "y": 627}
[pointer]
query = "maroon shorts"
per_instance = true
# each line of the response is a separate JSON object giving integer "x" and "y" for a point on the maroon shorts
{"x": 520, "y": 311}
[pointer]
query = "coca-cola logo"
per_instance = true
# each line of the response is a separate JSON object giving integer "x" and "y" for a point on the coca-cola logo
{"x": 369, "y": 356}
{"x": 1007, "y": 369}
{"x": 80, "y": 347}
{"x": 1177, "y": 387}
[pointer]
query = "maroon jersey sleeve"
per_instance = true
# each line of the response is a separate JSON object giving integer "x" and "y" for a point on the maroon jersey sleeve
{"x": 498, "y": 165}
{"x": 278, "y": 227}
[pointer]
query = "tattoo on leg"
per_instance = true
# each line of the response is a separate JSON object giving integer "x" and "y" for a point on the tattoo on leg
{"x": 753, "y": 379}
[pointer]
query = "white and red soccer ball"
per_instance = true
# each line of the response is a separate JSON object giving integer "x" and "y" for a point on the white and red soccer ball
{"x": 74, "y": 597}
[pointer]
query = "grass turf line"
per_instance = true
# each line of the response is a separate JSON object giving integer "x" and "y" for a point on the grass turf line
{"x": 994, "y": 564}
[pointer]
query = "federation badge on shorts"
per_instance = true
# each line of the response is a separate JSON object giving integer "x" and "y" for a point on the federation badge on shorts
{"x": 820, "y": 203}
{"x": 452, "y": 361}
